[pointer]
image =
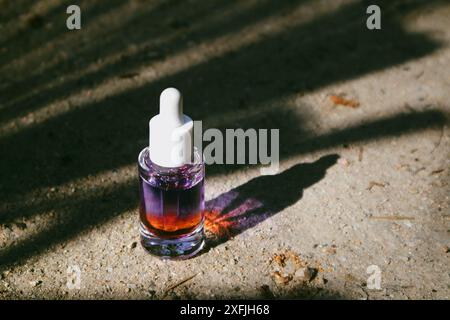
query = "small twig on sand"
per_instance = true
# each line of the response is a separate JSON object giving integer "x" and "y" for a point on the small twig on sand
{"x": 177, "y": 284}
{"x": 440, "y": 139}
{"x": 391, "y": 218}
{"x": 420, "y": 74}
{"x": 437, "y": 171}
{"x": 339, "y": 100}
{"x": 128, "y": 75}
{"x": 360, "y": 154}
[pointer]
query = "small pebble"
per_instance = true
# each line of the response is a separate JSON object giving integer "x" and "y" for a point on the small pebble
{"x": 35, "y": 283}
{"x": 310, "y": 274}
{"x": 21, "y": 225}
{"x": 133, "y": 245}
{"x": 151, "y": 293}
{"x": 281, "y": 279}
{"x": 344, "y": 162}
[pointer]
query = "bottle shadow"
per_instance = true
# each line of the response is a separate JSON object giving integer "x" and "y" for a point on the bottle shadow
{"x": 242, "y": 208}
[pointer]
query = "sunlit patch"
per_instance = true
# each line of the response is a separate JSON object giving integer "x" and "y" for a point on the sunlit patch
{"x": 224, "y": 224}
{"x": 217, "y": 225}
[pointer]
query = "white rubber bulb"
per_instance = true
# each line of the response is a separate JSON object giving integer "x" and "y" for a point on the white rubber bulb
{"x": 171, "y": 106}
{"x": 171, "y": 132}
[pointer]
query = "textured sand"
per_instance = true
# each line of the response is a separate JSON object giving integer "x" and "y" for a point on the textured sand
{"x": 74, "y": 107}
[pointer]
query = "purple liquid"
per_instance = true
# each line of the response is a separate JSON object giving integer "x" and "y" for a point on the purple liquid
{"x": 172, "y": 199}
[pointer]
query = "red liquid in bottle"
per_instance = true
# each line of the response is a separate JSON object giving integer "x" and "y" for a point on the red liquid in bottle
{"x": 171, "y": 213}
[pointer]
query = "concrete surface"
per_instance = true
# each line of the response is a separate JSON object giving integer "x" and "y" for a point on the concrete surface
{"x": 369, "y": 185}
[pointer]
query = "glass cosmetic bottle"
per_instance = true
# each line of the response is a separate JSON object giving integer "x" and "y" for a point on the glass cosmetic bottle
{"x": 171, "y": 181}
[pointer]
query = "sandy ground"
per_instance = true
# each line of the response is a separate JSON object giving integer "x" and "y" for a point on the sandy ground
{"x": 368, "y": 186}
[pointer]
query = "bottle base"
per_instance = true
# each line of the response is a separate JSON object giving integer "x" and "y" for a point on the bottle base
{"x": 176, "y": 249}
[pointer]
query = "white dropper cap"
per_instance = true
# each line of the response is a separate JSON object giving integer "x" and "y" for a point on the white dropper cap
{"x": 171, "y": 138}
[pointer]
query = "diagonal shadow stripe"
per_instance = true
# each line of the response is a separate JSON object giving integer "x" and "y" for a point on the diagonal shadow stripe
{"x": 97, "y": 138}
